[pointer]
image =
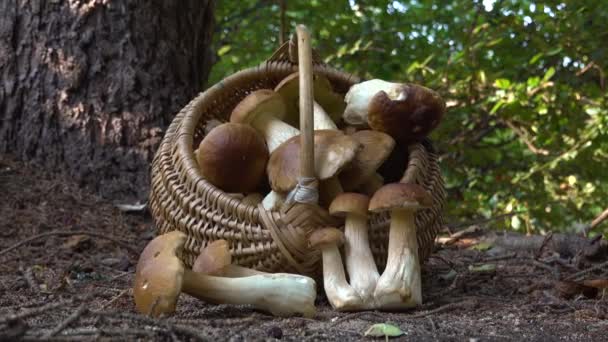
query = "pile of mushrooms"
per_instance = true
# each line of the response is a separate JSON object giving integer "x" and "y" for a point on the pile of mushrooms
{"x": 255, "y": 158}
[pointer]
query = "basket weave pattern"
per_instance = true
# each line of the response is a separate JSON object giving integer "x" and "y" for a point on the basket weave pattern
{"x": 180, "y": 199}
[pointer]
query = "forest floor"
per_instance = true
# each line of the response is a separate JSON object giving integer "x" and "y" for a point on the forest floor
{"x": 67, "y": 259}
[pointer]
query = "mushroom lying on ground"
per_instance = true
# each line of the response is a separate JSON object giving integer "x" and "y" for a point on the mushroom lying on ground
{"x": 360, "y": 264}
{"x": 375, "y": 149}
{"x": 263, "y": 109}
{"x": 339, "y": 293}
{"x": 215, "y": 259}
{"x": 407, "y": 112}
{"x": 399, "y": 285}
{"x": 327, "y": 106}
{"x": 333, "y": 151}
{"x": 227, "y": 151}
{"x": 161, "y": 276}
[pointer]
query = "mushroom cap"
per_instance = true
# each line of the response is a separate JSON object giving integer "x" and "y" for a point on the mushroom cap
{"x": 400, "y": 196}
{"x": 375, "y": 149}
{"x": 213, "y": 258}
{"x": 233, "y": 157}
{"x": 349, "y": 203}
{"x": 333, "y": 151}
{"x": 259, "y": 102}
{"x": 332, "y": 102}
{"x": 327, "y": 236}
{"x": 159, "y": 274}
{"x": 409, "y": 116}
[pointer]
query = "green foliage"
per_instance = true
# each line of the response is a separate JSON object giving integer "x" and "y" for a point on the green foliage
{"x": 525, "y": 82}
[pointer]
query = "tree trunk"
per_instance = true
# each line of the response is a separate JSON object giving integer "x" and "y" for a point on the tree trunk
{"x": 87, "y": 86}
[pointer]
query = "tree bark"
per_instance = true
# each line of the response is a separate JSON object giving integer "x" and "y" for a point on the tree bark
{"x": 87, "y": 86}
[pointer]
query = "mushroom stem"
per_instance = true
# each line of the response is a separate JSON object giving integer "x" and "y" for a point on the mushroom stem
{"x": 360, "y": 264}
{"x": 321, "y": 118}
{"x": 399, "y": 285}
{"x": 280, "y": 294}
{"x": 274, "y": 130}
{"x": 329, "y": 189}
{"x": 339, "y": 293}
{"x": 273, "y": 200}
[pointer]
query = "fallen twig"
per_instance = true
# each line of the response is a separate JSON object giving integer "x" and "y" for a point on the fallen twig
{"x": 33, "y": 312}
{"x": 575, "y": 276}
{"x": 66, "y": 322}
{"x": 466, "y": 304}
{"x": 69, "y": 233}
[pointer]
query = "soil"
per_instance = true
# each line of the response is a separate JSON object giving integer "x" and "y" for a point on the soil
{"x": 67, "y": 259}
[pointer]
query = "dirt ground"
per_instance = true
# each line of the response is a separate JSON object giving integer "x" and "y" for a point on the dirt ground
{"x": 67, "y": 259}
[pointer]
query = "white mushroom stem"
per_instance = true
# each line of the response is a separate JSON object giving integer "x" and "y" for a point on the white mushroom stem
{"x": 236, "y": 271}
{"x": 339, "y": 293}
{"x": 372, "y": 184}
{"x": 399, "y": 285}
{"x": 273, "y": 200}
{"x": 281, "y": 294}
{"x": 360, "y": 264}
{"x": 274, "y": 130}
{"x": 321, "y": 118}
{"x": 359, "y": 96}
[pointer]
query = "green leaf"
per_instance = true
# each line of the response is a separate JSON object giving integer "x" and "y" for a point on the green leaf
{"x": 223, "y": 50}
{"x": 383, "y": 329}
{"x": 485, "y": 268}
{"x": 549, "y": 74}
{"x": 535, "y": 58}
{"x": 502, "y": 83}
{"x": 482, "y": 246}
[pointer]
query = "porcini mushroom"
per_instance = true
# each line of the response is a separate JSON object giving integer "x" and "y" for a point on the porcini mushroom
{"x": 407, "y": 112}
{"x": 161, "y": 276}
{"x": 263, "y": 109}
{"x": 362, "y": 270}
{"x": 327, "y": 106}
{"x": 339, "y": 293}
{"x": 333, "y": 151}
{"x": 399, "y": 286}
{"x": 233, "y": 157}
{"x": 215, "y": 259}
{"x": 375, "y": 149}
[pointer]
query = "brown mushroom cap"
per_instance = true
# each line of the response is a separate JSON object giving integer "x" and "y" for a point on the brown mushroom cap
{"x": 375, "y": 149}
{"x": 325, "y": 237}
{"x": 159, "y": 274}
{"x": 409, "y": 116}
{"x": 259, "y": 102}
{"x": 333, "y": 151}
{"x": 289, "y": 88}
{"x": 233, "y": 157}
{"x": 400, "y": 196}
{"x": 213, "y": 258}
{"x": 349, "y": 203}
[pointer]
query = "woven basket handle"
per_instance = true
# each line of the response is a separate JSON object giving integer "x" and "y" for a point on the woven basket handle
{"x": 306, "y": 190}
{"x": 288, "y": 53}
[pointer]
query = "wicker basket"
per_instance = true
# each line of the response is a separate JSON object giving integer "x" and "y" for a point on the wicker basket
{"x": 181, "y": 199}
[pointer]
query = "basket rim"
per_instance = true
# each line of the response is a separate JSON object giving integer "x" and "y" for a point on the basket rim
{"x": 185, "y": 132}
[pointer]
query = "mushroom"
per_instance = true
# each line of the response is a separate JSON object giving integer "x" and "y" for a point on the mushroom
{"x": 161, "y": 276}
{"x": 327, "y": 106}
{"x": 376, "y": 147}
{"x": 216, "y": 260}
{"x": 362, "y": 270}
{"x": 339, "y": 293}
{"x": 233, "y": 157}
{"x": 407, "y": 112}
{"x": 399, "y": 285}
{"x": 263, "y": 109}
{"x": 333, "y": 151}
